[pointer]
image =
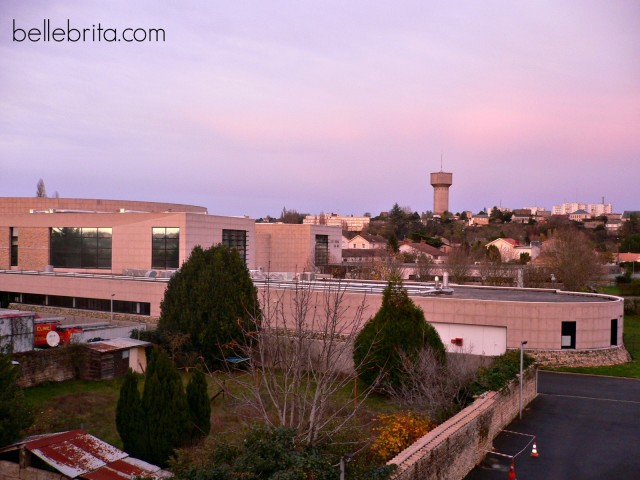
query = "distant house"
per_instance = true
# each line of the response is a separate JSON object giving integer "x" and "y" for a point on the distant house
{"x": 510, "y": 249}
{"x": 628, "y": 257}
{"x": 579, "y": 215}
{"x": 480, "y": 219}
{"x": 367, "y": 241}
{"x": 69, "y": 455}
{"x": 521, "y": 215}
{"x": 423, "y": 248}
{"x": 613, "y": 225}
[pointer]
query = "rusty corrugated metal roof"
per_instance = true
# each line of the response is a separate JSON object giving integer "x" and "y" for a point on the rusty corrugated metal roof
{"x": 77, "y": 454}
{"x": 116, "y": 344}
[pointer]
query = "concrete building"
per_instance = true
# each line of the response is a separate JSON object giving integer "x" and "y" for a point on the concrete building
{"x": 593, "y": 209}
{"x": 283, "y": 247}
{"x": 345, "y": 222}
{"x": 441, "y": 181}
{"x": 86, "y": 253}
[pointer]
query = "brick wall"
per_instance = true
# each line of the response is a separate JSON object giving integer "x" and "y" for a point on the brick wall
{"x": 33, "y": 248}
{"x": 5, "y": 248}
{"x": 451, "y": 450}
{"x": 55, "y": 365}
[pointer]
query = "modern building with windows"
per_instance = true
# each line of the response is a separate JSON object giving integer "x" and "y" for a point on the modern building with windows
{"x": 87, "y": 253}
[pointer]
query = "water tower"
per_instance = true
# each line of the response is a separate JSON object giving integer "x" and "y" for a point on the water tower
{"x": 441, "y": 181}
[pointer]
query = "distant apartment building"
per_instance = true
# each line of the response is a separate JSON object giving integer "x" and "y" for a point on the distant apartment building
{"x": 345, "y": 222}
{"x": 593, "y": 209}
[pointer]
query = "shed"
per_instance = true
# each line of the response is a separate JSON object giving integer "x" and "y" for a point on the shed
{"x": 112, "y": 358}
{"x": 72, "y": 454}
{"x": 16, "y": 330}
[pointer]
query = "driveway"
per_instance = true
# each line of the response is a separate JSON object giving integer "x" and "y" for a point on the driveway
{"x": 587, "y": 427}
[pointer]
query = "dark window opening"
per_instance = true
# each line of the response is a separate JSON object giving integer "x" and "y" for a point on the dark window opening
{"x": 81, "y": 247}
{"x": 81, "y": 303}
{"x": 322, "y": 250}
{"x": 14, "y": 246}
{"x": 568, "y": 335}
{"x": 237, "y": 240}
{"x": 165, "y": 248}
{"x": 614, "y": 332}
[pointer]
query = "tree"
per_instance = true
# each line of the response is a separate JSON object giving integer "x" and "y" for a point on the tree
{"x": 165, "y": 410}
{"x": 212, "y": 299}
{"x": 290, "y": 216}
{"x": 572, "y": 259}
{"x": 14, "y": 414}
{"x": 631, "y": 244}
{"x": 493, "y": 254}
{"x": 398, "y": 328}
{"x": 41, "y": 191}
{"x": 458, "y": 264}
{"x": 298, "y": 348}
{"x": 199, "y": 405}
{"x": 424, "y": 267}
{"x": 392, "y": 244}
{"x": 129, "y": 415}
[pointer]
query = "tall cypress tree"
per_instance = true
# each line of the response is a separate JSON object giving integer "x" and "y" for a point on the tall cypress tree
{"x": 129, "y": 415}
{"x": 399, "y": 326}
{"x": 199, "y": 405}
{"x": 164, "y": 403}
{"x": 14, "y": 415}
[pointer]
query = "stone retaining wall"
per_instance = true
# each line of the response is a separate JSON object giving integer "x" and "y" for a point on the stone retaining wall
{"x": 12, "y": 471}
{"x": 451, "y": 450}
{"x": 581, "y": 358}
{"x": 54, "y": 365}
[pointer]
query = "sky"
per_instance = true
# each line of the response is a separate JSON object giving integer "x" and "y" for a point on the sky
{"x": 247, "y": 107}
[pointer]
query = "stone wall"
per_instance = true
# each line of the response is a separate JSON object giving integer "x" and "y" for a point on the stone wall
{"x": 581, "y": 358}
{"x": 12, "y": 471}
{"x": 54, "y": 365}
{"x": 451, "y": 450}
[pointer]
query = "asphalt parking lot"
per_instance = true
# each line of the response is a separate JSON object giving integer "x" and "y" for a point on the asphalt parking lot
{"x": 587, "y": 427}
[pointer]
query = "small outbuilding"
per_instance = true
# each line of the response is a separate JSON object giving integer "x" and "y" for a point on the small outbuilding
{"x": 69, "y": 455}
{"x": 16, "y": 330}
{"x": 112, "y": 358}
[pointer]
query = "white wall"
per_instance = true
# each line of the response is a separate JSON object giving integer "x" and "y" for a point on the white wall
{"x": 476, "y": 339}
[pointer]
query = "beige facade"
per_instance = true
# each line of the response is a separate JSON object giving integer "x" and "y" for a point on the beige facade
{"x": 296, "y": 248}
{"x": 345, "y": 222}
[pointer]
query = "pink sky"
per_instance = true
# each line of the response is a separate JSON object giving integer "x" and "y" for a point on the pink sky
{"x": 327, "y": 106}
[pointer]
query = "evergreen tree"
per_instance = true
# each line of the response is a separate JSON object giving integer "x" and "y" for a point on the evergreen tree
{"x": 14, "y": 415}
{"x": 398, "y": 327}
{"x": 165, "y": 408}
{"x": 212, "y": 299}
{"x": 129, "y": 415}
{"x": 199, "y": 405}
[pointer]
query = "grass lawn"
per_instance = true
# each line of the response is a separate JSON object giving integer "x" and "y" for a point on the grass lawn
{"x": 631, "y": 342}
{"x": 91, "y": 405}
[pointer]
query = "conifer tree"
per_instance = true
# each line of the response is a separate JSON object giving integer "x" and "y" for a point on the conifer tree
{"x": 129, "y": 415}
{"x": 165, "y": 408}
{"x": 212, "y": 299}
{"x": 199, "y": 405}
{"x": 398, "y": 328}
{"x": 14, "y": 415}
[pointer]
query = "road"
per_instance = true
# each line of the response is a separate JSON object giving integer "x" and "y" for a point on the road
{"x": 587, "y": 427}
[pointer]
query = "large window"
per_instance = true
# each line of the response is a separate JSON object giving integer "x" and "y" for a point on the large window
{"x": 236, "y": 239}
{"x": 81, "y": 247}
{"x": 322, "y": 250}
{"x": 165, "y": 248}
{"x": 14, "y": 247}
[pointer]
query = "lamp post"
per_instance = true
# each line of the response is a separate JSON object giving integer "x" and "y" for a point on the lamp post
{"x": 522, "y": 344}
{"x": 112, "y": 295}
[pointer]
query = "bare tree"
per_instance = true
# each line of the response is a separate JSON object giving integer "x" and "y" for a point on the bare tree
{"x": 458, "y": 264}
{"x": 424, "y": 267}
{"x": 495, "y": 273}
{"x": 301, "y": 357}
{"x": 41, "y": 191}
{"x": 572, "y": 258}
{"x": 435, "y": 388}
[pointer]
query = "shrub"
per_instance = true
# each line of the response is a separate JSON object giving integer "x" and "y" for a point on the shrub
{"x": 502, "y": 370}
{"x": 199, "y": 405}
{"x": 396, "y": 432}
{"x": 398, "y": 329}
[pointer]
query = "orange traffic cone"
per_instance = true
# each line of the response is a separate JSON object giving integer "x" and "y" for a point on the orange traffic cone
{"x": 512, "y": 471}
{"x": 534, "y": 450}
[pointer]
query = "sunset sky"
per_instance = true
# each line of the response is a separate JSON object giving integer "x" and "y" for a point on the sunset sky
{"x": 326, "y": 106}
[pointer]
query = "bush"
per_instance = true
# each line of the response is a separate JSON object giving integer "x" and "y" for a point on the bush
{"x": 396, "y": 432}
{"x": 14, "y": 415}
{"x": 502, "y": 370}
{"x": 398, "y": 329}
